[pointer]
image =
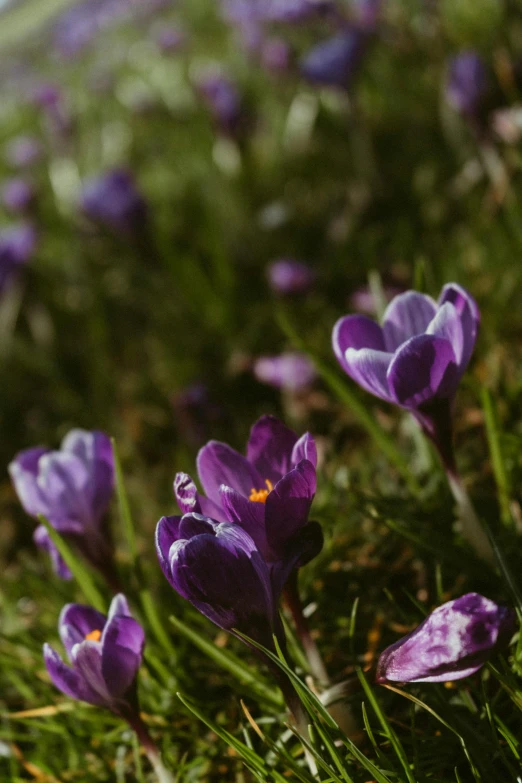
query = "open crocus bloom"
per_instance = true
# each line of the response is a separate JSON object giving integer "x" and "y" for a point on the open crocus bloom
{"x": 268, "y": 493}
{"x": 105, "y": 654}
{"x": 72, "y": 488}
{"x": 453, "y": 642}
{"x": 418, "y": 355}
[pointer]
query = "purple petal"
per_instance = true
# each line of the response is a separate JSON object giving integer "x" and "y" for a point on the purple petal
{"x": 422, "y": 369}
{"x": 87, "y": 661}
{"x": 249, "y": 515}
{"x": 189, "y": 499}
{"x": 270, "y": 447}
{"x": 167, "y": 532}
{"x": 288, "y": 506}
{"x": 453, "y": 642}
{"x": 24, "y": 473}
{"x": 447, "y": 325}
{"x": 304, "y": 545}
{"x": 195, "y": 525}
{"x": 355, "y": 331}
{"x": 94, "y": 449}
{"x": 469, "y": 313}
{"x": 42, "y": 540}
{"x": 122, "y": 648}
{"x": 219, "y": 464}
{"x": 63, "y": 480}
{"x": 76, "y": 622}
{"x": 68, "y": 680}
{"x": 305, "y": 448}
{"x": 370, "y": 369}
{"x": 408, "y": 315}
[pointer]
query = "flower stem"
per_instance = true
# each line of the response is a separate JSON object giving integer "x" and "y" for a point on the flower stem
{"x": 293, "y": 601}
{"x": 151, "y": 749}
{"x": 297, "y": 711}
{"x": 471, "y": 527}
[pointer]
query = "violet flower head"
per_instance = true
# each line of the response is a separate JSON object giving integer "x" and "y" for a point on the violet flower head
{"x": 113, "y": 200}
{"x": 292, "y": 371}
{"x": 23, "y": 151}
{"x": 72, "y": 488}
{"x": 453, "y": 642}
{"x": 18, "y": 194}
{"x": 416, "y": 358}
{"x": 17, "y": 245}
{"x": 268, "y": 493}
{"x": 105, "y": 654}
{"x": 276, "y": 55}
{"x": 218, "y": 568}
{"x": 288, "y": 276}
{"x": 335, "y": 61}
{"x": 223, "y": 99}
{"x": 466, "y": 82}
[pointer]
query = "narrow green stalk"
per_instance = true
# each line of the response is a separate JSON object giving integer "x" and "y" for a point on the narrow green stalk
{"x": 124, "y": 506}
{"x": 151, "y": 749}
{"x": 497, "y": 462}
{"x": 471, "y": 527}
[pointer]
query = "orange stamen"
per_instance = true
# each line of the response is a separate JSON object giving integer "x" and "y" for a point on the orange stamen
{"x": 260, "y": 495}
{"x": 94, "y": 636}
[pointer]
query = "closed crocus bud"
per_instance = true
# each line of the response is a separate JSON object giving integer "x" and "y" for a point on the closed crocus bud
{"x": 18, "y": 194}
{"x": 453, "y": 642}
{"x": 23, "y": 151}
{"x": 335, "y": 62}
{"x": 268, "y": 493}
{"x": 288, "y": 276}
{"x": 223, "y": 99}
{"x": 17, "y": 245}
{"x": 466, "y": 83}
{"x": 72, "y": 488}
{"x": 105, "y": 654}
{"x": 416, "y": 358}
{"x": 113, "y": 200}
{"x": 292, "y": 371}
{"x": 218, "y": 568}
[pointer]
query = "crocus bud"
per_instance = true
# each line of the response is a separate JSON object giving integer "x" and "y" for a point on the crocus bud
{"x": 288, "y": 276}
{"x": 334, "y": 62}
{"x": 18, "y": 194}
{"x": 17, "y": 245}
{"x": 113, "y": 200}
{"x": 217, "y": 567}
{"x": 268, "y": 493}
{"x": 292, "y": 371}
{"x": 416, "y": 358}
{"x": 105, "y": 654}
{"x": 453, "y": 642}
{"x": 72, "y": 488}
{"x": 466, "y": 83}
{"x": 23, "y": 151}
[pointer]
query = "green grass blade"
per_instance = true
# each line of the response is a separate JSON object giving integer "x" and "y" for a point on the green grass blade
{"x": 75, "y": 565}
{"x": 497, "y": 461}
{"x": 124, "y": 507}
{"x": 154, "y": 620}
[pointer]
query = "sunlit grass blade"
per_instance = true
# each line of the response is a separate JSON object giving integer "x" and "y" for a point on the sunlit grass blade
{"x": 359, "y": 410}
{"x": 383, "y": 720}
{"x": 78, "y": 570}
{"x": 231, "y": 663}
{"x": 497, "y": 460}
{"x": 154, "y": 620}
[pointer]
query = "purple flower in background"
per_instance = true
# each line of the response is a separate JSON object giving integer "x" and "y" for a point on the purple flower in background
{"x": 169, "y": 39}
{"x": 466, "y": 82}
{"x": 195, "y": 413}
{"x": 453, "y": 642}
{"x": 335, "y": 61}
{"x": 223, "y": 99}
{"x": 218, "y": 568}
{"x": 113, "y": 200}
{"x": 288, "y": 276}
{"x": 416, "y": 358}
{"x": 292, "y": 371}
{"x": 364, "y": 301}
{"x": 18, "y": 194}
{"x": 17, "y": 245}
{"x": 268, "y": 493}
{"x": 276, "y": 55}
{"x": 105, "y": 654}
{"x": 23, "y": 151}
{"x": 72, "y": 488}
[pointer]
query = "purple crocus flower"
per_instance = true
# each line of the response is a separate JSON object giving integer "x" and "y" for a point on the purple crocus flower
{"x": 23, "y": 151}
{"x": 288, "y": 276}
{"x": 453, "y": 642}
{"x": 112, "y": 199}
{"x": 105, "y": 654}
{"x": 18, "y": 194}
{"x": 223, "y": 99}
{"x": 416, "y": 358}
{"x": 292, "y": 371}
{"x": 72, "y": 488}
{"x": 276, "y": 55}
{"x": 17, "y": 245}
{"x": 268, "y": 493}
{"x": 335, "y": 61}
{"x": 466, "y": 82}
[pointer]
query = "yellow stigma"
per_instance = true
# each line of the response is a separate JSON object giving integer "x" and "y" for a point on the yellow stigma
{"x": 93, "y": 636}
{"x": 260, "y": 495}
